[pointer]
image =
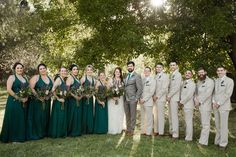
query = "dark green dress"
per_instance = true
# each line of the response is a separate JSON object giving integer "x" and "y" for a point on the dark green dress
{"x": 14, "y": 123}
{"x": 39, "y": 113}
{"x": 87, "y": 111}
{"x": 101, "y": 115}
{"x": 74, "y": 112}
{"x": 58, "y": 120}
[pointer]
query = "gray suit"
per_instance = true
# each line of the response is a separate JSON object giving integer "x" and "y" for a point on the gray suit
{"x": 133, "y": 92}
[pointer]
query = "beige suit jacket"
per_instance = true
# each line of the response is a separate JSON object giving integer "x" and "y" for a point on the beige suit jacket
{"x": 149, "y": 87}
{"x": 222, "y": 93}
{"x": 175, "y": 86}
{"x": 204, "y": 93}
{"x": 162, "y": 84}
{"x": 187, "y": 94}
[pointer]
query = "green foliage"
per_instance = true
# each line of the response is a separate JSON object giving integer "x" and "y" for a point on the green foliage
{"x": 59, "y": 32}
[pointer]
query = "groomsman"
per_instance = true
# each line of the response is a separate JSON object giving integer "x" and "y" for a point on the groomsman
{"x": 173, "y": 99}
{"x": 146, "y": 101}
{"x": 186, "y": 99}
{"x": 222, "y": 105}
{"x": 203, "y": 100}
{"x": 133, "y": 92}
{"x": 162, "y": 84}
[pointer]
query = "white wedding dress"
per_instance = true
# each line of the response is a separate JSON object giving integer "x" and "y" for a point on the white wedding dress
{"x": 116, "y": 115}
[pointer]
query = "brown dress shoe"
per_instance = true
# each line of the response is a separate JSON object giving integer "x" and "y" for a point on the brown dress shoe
{"x": 155, "y": 133}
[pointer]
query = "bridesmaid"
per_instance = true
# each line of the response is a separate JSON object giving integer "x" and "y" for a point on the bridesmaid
{"x": 58, "y": 121}
{"x": 87, "y": 102}
{"x": 74, "y": 109}
{"x": 101, "y": 113}
{"x": 14, "y": 123}
{"x": 39, "y": 107}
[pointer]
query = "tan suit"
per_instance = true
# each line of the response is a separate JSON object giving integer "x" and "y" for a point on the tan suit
{"x": 174, "y": 94}
{"x": 149, "y": 86}
{"x": 222, "y": 93}
{"x": 162, "y": 84}
{"x": 203, "y": 96}
{"x": 187, "y": 96}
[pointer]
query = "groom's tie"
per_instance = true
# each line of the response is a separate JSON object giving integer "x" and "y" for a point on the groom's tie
{"x": 129, "y": 76}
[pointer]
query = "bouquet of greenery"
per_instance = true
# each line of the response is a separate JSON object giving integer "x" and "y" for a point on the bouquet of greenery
{"x": 77, "y": 90}
{"x": 43, "y": 94}
{"x": 24, "y": 92}
{"x": 102, "y": 94}
{"x": 88, "y": 91}
{"x": 62, "y": 93}
{"x": 117, "y": 91}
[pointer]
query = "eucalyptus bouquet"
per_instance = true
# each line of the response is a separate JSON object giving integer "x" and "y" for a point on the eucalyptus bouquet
{"x": 102, "y": 94}
{"x": 88, "y": 91}
{"x": 24, "y": 92}
{"x": 43, "y": 94}
{"x": 62, "y": 93}
{"x": 77, "y": 90}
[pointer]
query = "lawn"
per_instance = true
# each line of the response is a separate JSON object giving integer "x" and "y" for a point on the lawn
{"x": 120, "y": 145}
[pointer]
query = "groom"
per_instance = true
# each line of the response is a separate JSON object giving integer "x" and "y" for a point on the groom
{"x": 133, "y": 92}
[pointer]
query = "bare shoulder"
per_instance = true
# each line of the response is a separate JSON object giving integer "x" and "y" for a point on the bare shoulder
{"x": 11, "y": 78}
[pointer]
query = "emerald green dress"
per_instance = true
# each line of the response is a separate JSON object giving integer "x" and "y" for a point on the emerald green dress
{"x": 39, "y": 112}
{"x": 74, "y": 112}
{"x": 14, "y": 123}
{"x": 58, "y": 120}
{"x": 87, "y": 111}
{"x": 101, "y": 115}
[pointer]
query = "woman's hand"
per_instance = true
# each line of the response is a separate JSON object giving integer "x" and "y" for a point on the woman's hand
{"x": 24, "y": 100}
{"x": 61, "y": 100}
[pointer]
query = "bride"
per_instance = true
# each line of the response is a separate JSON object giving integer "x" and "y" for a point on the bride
{"x": 116, "y": 104}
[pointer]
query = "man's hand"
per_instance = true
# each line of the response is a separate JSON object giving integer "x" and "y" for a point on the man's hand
{"x": 141, "y": 101}
{"x": 154, "y": 98}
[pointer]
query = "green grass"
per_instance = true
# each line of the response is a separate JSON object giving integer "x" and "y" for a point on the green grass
{"x": 121, "y": 145}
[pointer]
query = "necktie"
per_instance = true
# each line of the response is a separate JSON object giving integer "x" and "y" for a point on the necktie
{"x": 129, "y": 76}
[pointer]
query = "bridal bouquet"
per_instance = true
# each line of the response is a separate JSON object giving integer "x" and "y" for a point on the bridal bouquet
{"x": 24, "y": 92}
{"x": 44, "y": 94}
{"x": 117, "y": 91}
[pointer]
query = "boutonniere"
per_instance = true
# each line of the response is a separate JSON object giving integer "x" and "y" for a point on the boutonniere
{"x": 203, "y": 83}
{"x": 222, "y": 83}
{"x": 173, "y": 77}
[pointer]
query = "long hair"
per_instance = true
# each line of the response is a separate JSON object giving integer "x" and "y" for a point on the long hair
{"x": 120, "y": 70}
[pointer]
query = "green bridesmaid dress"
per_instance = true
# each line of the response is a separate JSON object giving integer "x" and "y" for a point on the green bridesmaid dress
{"x": 58, "y": 120}
{"x": 14, "y": 123}
{"x": 74, "y": 112}
{"x": 39, "y": 113}
{"x": 101, "y": 115}
{"x": 87, "y": 111}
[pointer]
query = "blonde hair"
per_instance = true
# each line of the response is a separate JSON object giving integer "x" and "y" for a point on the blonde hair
{"x": 88, "y": 66}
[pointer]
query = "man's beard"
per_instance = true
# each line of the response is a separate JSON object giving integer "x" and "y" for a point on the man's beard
{"x": 202, "y": 77}
{"x": 130, "y": 70}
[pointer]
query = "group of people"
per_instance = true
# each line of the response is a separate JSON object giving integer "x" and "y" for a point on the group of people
{"x": 65, "y": 113}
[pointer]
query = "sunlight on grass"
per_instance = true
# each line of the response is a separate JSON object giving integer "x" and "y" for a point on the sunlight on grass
{"x": 120, "y": 140}
{"x": 136, "y": 139}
